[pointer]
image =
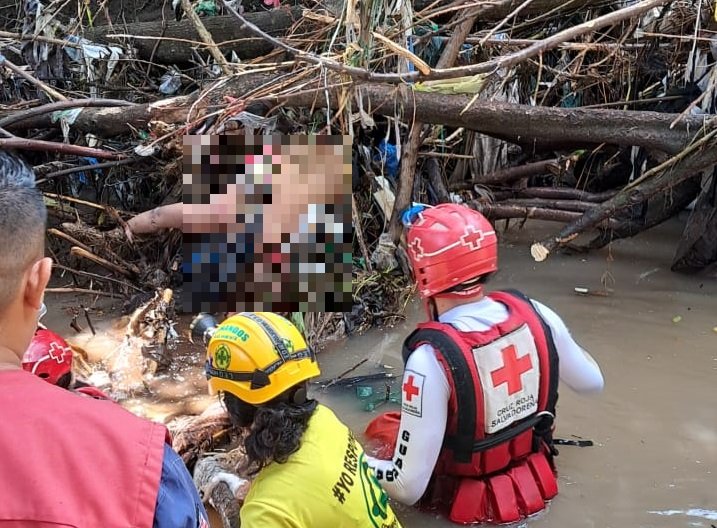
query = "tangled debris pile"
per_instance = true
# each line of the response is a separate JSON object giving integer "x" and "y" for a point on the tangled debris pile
{"x": 595, "y": 114}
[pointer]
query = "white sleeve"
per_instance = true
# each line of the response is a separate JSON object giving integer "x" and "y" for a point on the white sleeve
{"x": 424, "y": 411}
{"x": 578, "y": 370}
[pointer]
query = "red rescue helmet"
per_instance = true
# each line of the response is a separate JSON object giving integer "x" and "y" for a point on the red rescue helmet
{"x": 48, "y": 356}
{"x": 448, "y": 245}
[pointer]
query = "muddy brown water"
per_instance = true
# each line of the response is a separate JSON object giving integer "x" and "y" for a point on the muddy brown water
{"x": 654, "y": 462}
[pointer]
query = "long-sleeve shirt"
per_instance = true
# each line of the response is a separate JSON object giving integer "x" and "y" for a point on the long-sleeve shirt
{"x": 407, "y": 481}
{"x": 178, "y": 502}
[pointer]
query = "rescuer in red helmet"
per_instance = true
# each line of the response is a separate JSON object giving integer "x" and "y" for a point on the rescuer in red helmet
{"x": 474, "y": 436}
{"x": 49, "y": 357}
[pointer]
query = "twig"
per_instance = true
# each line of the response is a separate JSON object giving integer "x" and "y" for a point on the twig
{"x": 62, "y": 148}
{"x": 359, "y": 233}
{"x": 83, "y": 290}
{"x": 39, "y": 38}
{"x": 89, "y": 321}
{"x": 461, "y": 71}
{"x": 78, "y": 201}
{"x": 505, "y": 21}
{"x": 68, "y": 238}
{"x": 80, "y": 252}
{"x": 206, "y": 36}
{"x": 95, "y": 276}
{"x": 61, "y": 105}
{"x": 81, "y": 168}
{"x": 345, "y": 372}
{"x": 32, "y": 80}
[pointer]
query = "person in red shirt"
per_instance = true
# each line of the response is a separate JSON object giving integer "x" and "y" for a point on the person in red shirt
{"x": 69, "y": 460}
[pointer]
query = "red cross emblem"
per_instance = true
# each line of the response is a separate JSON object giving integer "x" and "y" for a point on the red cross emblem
{"x": 410, "y": 389}
{"x": 416, "y": 248}
{"x": 512, "y": 370}
{"x": 57, "y": 352}
{"x": 473, "y": 238}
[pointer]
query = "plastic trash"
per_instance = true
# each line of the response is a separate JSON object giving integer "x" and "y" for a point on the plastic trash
{"x": 364, "y": 391}
{"x": 388, "y": 155}
{"x": 170, "y": 82}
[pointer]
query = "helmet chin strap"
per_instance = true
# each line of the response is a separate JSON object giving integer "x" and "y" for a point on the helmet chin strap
{"x": 430, "y": 303}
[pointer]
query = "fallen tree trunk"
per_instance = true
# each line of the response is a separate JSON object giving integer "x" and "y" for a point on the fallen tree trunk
{"x": 702, "y": 155}
{"x": 698, "y": 246}
{"x": 660, "y": 209}
{"x": 176, "y": 46}
{"x": 520, "y": 124}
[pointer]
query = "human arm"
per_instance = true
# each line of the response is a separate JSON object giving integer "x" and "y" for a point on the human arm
{"x": 421, "y": 431}
{"x": 162, "y": 217}
{"x": 578, "y": 370}
{"x": 178, "y": 503}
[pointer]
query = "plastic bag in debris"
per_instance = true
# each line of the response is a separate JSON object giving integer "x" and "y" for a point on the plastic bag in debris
{"x": 252, "y": 123}
{"x": 170, "y": 82}
{"x": 87, "y": 53}
{"x": 383, "y": 258}
{"x": 387, "y": 154}
{"x": 206, "y": 7}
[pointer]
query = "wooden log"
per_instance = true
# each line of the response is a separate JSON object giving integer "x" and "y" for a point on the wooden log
{"x": 545, "y": 203}
{"x": 659, "y": 209}
{"x": 178, "y": 39}
{"x": 700, "y": 156}
{"x": 435, "y": 179}
{"x": 500, "y": 211}
{"x": 220, "y": 497}
{"x": 521, "y": 124}
{"x": 509, "y": 175}
{"x": 560, "y": 193}
{"x": 698, "y": 247}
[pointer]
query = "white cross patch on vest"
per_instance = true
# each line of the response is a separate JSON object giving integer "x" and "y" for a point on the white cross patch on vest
{"x": 509, "y": 372}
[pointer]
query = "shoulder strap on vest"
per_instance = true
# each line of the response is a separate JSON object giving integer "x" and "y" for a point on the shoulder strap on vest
{"x": 462, "y": 442}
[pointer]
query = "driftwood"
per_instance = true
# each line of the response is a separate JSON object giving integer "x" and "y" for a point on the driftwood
{"x": 509, "y": 175}
{"x": 522, "y": 124}
{"x": 700, "y": 156}
{"x": 435, "y": 179}
{"x": 220, "y": 497}
{"x": 501, "y": 211}
{"x": 178, "y": 38}
{"x": 698, "y": 246}
{"x": 658, "y": 209}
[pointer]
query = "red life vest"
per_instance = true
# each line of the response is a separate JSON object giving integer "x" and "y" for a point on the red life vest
{"x": 503, "y": 394}
{"x": 69, "y": 460}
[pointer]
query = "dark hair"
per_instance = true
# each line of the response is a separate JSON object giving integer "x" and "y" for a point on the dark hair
{"x": 276, "y": 429}
{"x": 23, "y": 218}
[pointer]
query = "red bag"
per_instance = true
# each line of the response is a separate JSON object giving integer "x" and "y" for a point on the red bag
{"x": 381, "y": 434}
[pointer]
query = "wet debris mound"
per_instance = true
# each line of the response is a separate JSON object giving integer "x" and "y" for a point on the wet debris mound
{"x": 598, "y": 116}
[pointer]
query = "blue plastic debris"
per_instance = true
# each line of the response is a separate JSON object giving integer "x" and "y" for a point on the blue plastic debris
{"x": 388, "y": 155}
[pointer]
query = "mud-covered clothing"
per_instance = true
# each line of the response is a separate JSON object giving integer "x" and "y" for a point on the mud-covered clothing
{"x": 74, "y": 461}
{"x": 326, "y": 483}
{"x": 424, "y": 420}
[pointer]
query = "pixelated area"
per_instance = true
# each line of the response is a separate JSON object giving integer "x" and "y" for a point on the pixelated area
{"x": 267, "y": 223}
